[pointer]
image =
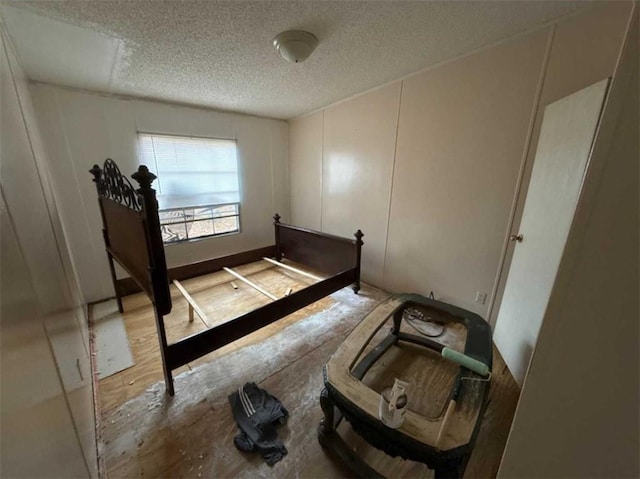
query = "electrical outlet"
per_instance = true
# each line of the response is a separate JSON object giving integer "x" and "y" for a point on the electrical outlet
{"x": 481, "y": 297}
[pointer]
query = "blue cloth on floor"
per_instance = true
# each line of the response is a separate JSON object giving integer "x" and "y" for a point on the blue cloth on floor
{"x": 257, "y": 413}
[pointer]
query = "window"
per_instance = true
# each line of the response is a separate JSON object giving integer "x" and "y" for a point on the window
{"x": 197, "y": 187}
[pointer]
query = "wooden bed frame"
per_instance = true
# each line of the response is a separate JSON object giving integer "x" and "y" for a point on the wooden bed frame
{"x": 132, "y": 236}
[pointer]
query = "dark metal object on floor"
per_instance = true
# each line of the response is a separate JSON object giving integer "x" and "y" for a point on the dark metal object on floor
{"x": 444, "y": 443}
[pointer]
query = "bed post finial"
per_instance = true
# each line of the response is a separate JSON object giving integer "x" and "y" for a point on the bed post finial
{"x": 144, "y": 178}
{"x": 358, "y": 234}
{"x": 158, "y": 262}
{"x": 96, "y": 172}
{"x": 276, "y": 227}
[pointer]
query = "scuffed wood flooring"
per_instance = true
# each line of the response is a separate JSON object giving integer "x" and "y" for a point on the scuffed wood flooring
{"x": 146, "y": 433}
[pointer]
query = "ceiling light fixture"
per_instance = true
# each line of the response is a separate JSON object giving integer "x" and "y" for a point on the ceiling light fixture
{"x": 295, "y": 45}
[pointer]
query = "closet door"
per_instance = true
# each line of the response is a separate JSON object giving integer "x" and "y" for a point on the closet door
{"x": 564, "y": 146}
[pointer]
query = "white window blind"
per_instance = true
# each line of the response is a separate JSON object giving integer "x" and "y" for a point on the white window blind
{"x": 191, "y": 171}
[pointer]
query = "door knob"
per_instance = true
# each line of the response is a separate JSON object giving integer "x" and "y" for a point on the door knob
{"x": 518, "y": 238}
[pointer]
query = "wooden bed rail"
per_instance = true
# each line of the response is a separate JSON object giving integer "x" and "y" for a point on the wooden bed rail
{"x": 199, "y": 344}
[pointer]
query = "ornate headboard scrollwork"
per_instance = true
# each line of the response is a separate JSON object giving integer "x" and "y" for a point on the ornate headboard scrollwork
{"x": 113, "y": 185}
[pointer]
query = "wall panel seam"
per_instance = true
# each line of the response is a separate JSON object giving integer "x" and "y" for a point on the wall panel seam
{"x": 322, "y": 168}
{"x": 393, "y": 169}
{"x": 273, "y": 184}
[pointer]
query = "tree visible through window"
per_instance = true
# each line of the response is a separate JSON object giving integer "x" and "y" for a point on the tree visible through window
{"x": 197, "y": 187}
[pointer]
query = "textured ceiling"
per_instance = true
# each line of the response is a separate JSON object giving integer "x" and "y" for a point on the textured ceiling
{"x": 219, "y": 54}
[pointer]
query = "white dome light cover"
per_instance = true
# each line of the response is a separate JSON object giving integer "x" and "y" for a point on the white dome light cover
{"x": 295, "y": 45}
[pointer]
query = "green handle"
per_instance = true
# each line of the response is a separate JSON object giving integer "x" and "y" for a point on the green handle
{"x": 465, "y": 361}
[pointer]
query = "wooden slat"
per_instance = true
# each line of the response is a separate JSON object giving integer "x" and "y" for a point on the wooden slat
{"x": 192, "y": 303}
{"x": 250, "y": 283}
{"x": 291, "y": 268}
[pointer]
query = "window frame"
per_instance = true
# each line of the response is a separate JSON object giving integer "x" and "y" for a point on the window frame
{"x": 238, "y": 205}
{"x": 198, "y": 238}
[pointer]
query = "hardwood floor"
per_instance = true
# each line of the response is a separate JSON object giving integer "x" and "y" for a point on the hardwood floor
{"x": 146, "y": 433}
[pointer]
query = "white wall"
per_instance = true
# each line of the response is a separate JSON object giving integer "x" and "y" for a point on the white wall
{"x": 305, "y": 170}
{"x": 47, "y": 418}
{"x": 357, "y": 161}
{"x": 578, "y": 414}
{"x": 81, "y": 129}
{"x": 464, "y": 142}
{"x": 461, "y": 140}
